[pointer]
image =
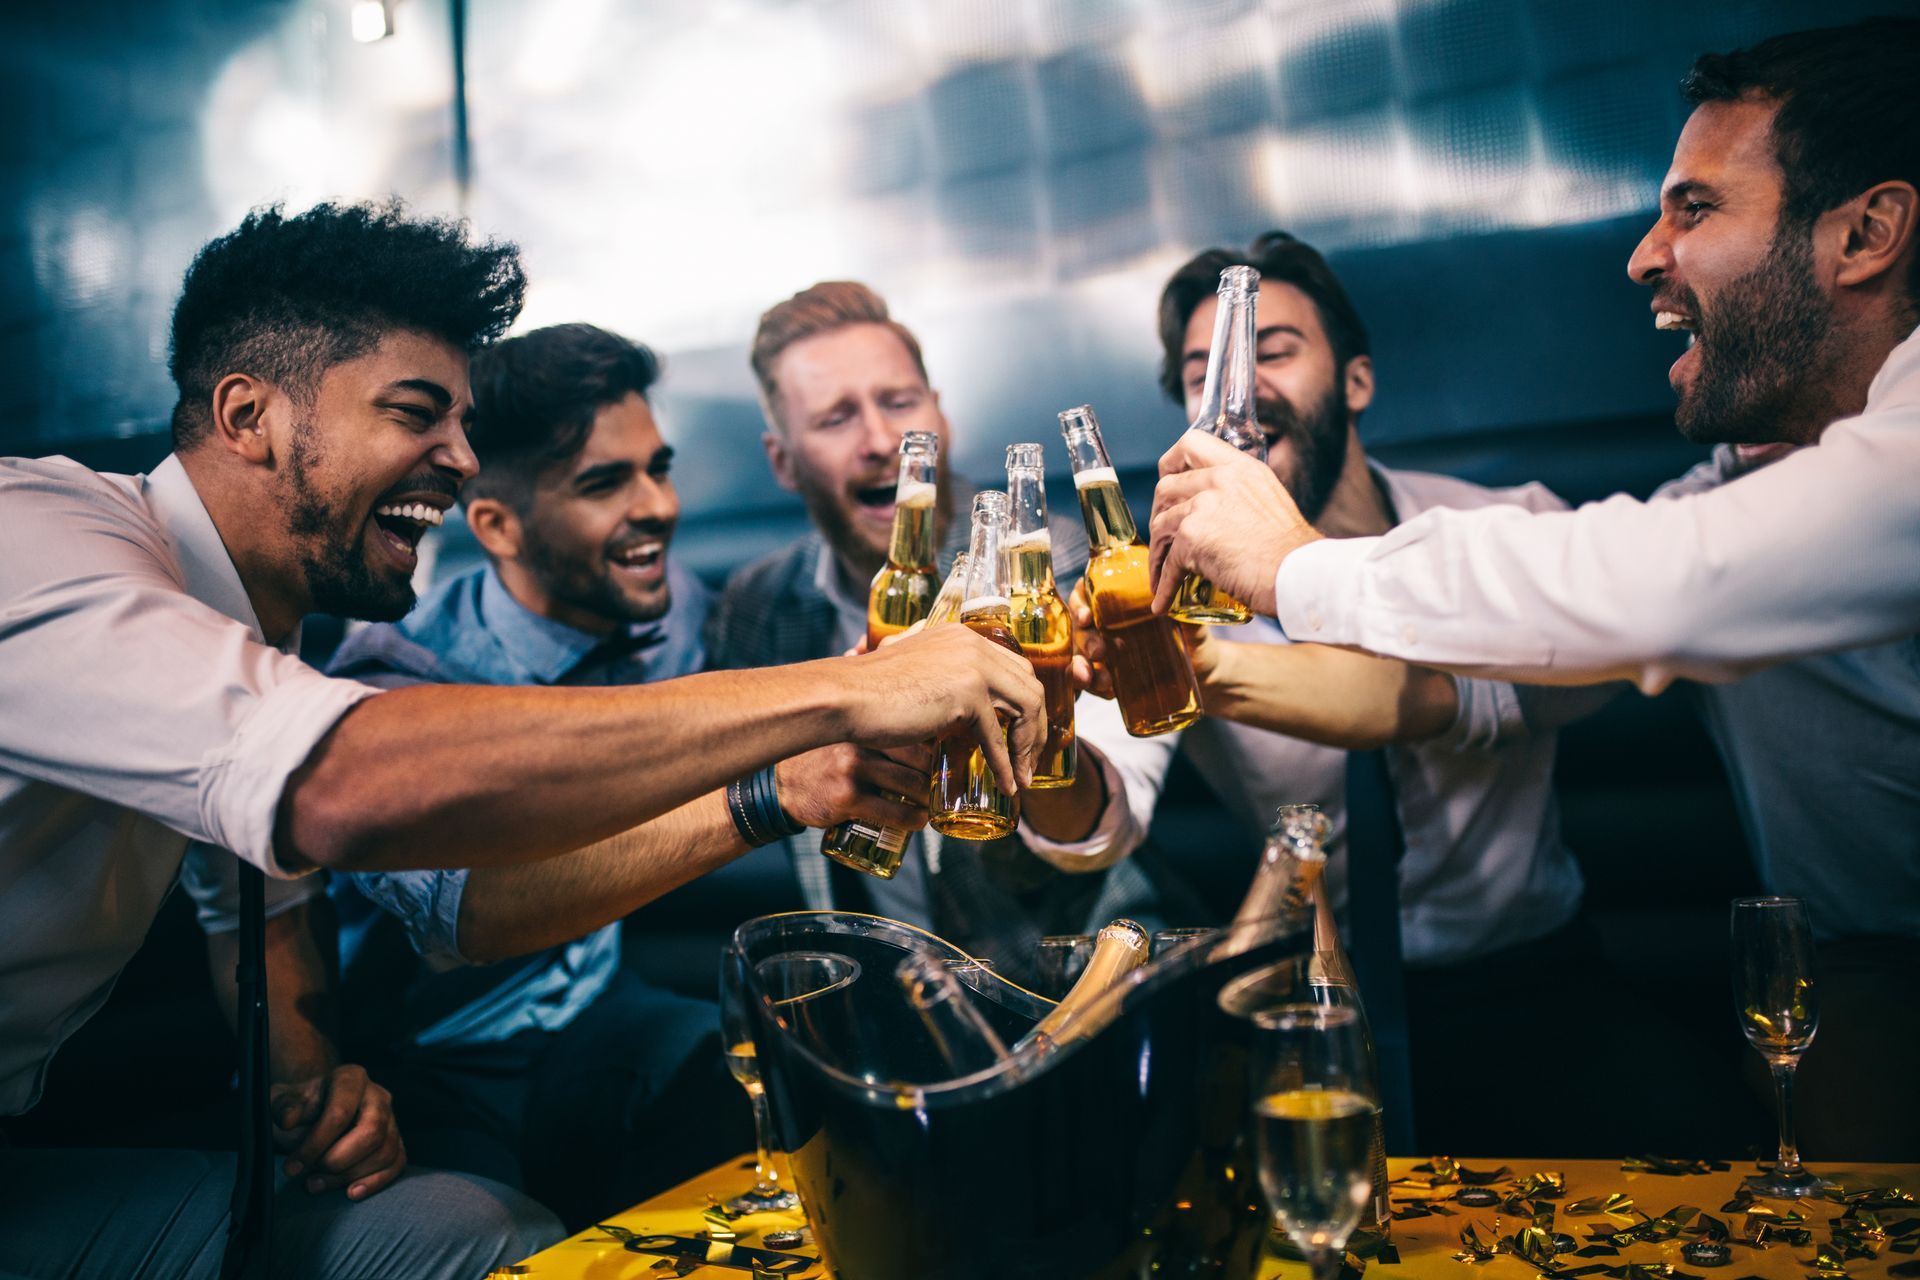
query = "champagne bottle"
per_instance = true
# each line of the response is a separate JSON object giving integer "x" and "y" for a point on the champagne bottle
{"x": 878, "y": 851}
{"x": 905, "y": 585}
{"x": 1040, "y": 621}
{"x": 1147, "y": 656}
{"x": 1226, "y": 410}
{"x": 1118, "y": 950}
{"x": 968, "y": 803}
{"x": 961, "y": 1036}
{"x": 1291, "y": 876}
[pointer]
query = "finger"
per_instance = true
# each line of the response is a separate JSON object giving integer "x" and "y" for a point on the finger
{"x": 881, "y": 776}
{"x": 917, "y": 756}
{"x": 371, "y": 1133}
{"x": 992, "y": 740}
{"x": 365, "y": 1184}
{"x": 1195, "y": 449}
{"x": 1176, "y": 489}
{"x": 888, "y": 810}
{"x": 385, "y": 1162}
{"x": 346, "y": 1087}
{"x": 296, "y": 1105}
{"x": 1094, "y": 679}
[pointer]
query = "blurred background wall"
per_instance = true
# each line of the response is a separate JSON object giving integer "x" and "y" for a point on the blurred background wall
{"x": 1017, "y": 176}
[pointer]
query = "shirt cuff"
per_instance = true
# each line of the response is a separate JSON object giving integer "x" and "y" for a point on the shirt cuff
{"x": 1316, "y": 592}
{"x": 241, "y": 787}
{"x": 211, "y": 878}
{"x": 1105, "y": 845}
{"x": 1488, "y": 714}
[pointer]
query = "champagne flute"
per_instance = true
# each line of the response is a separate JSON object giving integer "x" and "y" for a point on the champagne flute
{"x": 1315, "y": 1108}
{"x": 1773, "y": 992}
{"x": 789, "y": 978}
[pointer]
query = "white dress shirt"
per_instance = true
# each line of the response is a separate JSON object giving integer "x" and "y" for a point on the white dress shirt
{"x": 140, "y": 708}
{"x": 1814, "y": 554}
{"x": 1484, "y": 865}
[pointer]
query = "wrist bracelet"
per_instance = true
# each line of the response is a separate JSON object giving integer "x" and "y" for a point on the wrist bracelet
{"x": 753, "y": 802}
{"x": 768, "y": 813}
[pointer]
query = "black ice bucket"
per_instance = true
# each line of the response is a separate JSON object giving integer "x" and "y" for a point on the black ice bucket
{"x": 1126, "y": 1153}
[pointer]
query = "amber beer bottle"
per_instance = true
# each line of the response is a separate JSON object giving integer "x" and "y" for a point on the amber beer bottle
{"x": 967, "y": 802}
{"x": 903, "y": 590}
{"x": 1153, "y": 677}
{"x": 878, "y": 850}
{"x": 1040, "y": 621}
{"x": 1226, "y": 410}
{"x": 1119, "y": 949}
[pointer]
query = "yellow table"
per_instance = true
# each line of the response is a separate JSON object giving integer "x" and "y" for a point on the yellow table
{"x": 1426, "y": 1245}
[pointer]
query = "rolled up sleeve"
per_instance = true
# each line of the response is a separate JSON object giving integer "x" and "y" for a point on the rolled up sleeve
{"x": 426, "y": 903}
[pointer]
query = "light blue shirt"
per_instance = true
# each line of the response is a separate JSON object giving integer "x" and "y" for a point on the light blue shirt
{"x": 471, "y": 630}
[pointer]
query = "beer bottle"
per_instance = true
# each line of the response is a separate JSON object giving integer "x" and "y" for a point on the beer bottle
{"x": 903, "y": 589}
{"x": 1153, "y": 677}
{"x": 1226, "y": 410}
{"x": 1119, "y": 949}
{"x": 967, "y": 802}
{"x": 962, "y": 1038}
{"x": 1040, "y": 621}
{"x": 878, "y": 851}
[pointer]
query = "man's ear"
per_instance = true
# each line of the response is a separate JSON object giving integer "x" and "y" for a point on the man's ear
{"x": 1878, "y": 227}
{"x": 496, "y": 527}
{"x": 1359, "y": 385}
{"x": 779, "y": 459}
{"x": 241, "y": 406}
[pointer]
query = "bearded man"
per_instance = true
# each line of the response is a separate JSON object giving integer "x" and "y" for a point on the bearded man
{"x": 1786, "y": 246}
{"x": 1478, "y": 887}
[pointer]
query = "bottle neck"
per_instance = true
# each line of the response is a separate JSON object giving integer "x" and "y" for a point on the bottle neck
{"x": 986, "y": 572}
{"x": 1029, "y": 543}
{"x": 1227, "y": 402}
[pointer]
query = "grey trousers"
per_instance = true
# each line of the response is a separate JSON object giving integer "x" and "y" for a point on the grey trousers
{"x": 122, "y": 1215}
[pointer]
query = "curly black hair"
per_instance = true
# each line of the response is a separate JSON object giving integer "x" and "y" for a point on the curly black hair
{"x": 535, "y": 397}
{"x": 1276, "y": 256}
{"x": 287, "y": 298}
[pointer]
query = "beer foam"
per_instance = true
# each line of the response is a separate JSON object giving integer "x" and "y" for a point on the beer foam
{"x": 1038, "y": 540}
{"x": 1094, "y": 475}
{"x": 914, "y": 493}
{"x": 983, "y": 604}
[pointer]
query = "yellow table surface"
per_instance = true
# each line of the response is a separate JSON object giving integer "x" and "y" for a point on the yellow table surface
{"x": 1426, "y": 1244}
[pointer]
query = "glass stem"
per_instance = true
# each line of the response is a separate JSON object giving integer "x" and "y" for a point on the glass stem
{"x": 763, "y": 1160}
{"x": 1325, "y": 1264}
{"x": 1789, "y": 1163}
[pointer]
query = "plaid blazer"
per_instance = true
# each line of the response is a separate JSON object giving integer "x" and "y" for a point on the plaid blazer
{"x": 993, "y": 898}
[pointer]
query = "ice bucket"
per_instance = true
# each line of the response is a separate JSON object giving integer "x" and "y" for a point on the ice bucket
{"x": 1123, "y": 1154}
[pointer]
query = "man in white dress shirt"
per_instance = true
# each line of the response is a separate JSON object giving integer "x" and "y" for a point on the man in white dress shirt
{"x": 147, "y": 632}
{"x": 1485, "y": 888}
{"x": 1786, "y": 245}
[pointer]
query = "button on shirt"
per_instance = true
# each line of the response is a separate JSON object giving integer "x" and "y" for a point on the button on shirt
{"x": 471, "y": 630}
{"x": 1813, "y": 554}
{"x": 143, "y": 709}
{"x": 1484, "y": 866}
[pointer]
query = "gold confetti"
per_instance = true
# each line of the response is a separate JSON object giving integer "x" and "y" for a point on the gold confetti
{"x": 1615, "y": 1203}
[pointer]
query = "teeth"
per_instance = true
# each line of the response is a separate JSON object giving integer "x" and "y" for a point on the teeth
{"x": 646, "y": 553}
{"x": 1670, "y": 320}
{"x": 419, "y": 511}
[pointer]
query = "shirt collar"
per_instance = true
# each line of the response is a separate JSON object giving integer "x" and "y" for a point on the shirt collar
{"x": 826, "y": 580}
{"x": 204, "y": 563}
{"x": 548, "y": 650}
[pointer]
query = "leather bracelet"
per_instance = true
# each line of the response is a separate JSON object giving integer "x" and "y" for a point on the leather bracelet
{"x": 767, "y": 811}
{"x": 753, "y": 802}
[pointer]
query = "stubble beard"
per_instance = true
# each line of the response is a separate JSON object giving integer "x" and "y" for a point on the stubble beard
{"x": 339, "y": 580}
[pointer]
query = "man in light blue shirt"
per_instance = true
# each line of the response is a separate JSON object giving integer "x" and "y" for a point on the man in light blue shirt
{"x": 520, "y": 1046}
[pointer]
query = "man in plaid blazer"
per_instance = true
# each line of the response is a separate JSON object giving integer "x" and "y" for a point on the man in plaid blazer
{"x": 841, "y": 381}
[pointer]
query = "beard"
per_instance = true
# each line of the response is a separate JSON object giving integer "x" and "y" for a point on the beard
{"x": 1759, "y": 344}
{"x": 1319, "y": 447}
{"x": 331, "y": 546}
{"x": 830, "y": 509}
{"x": 590, "y": 586}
